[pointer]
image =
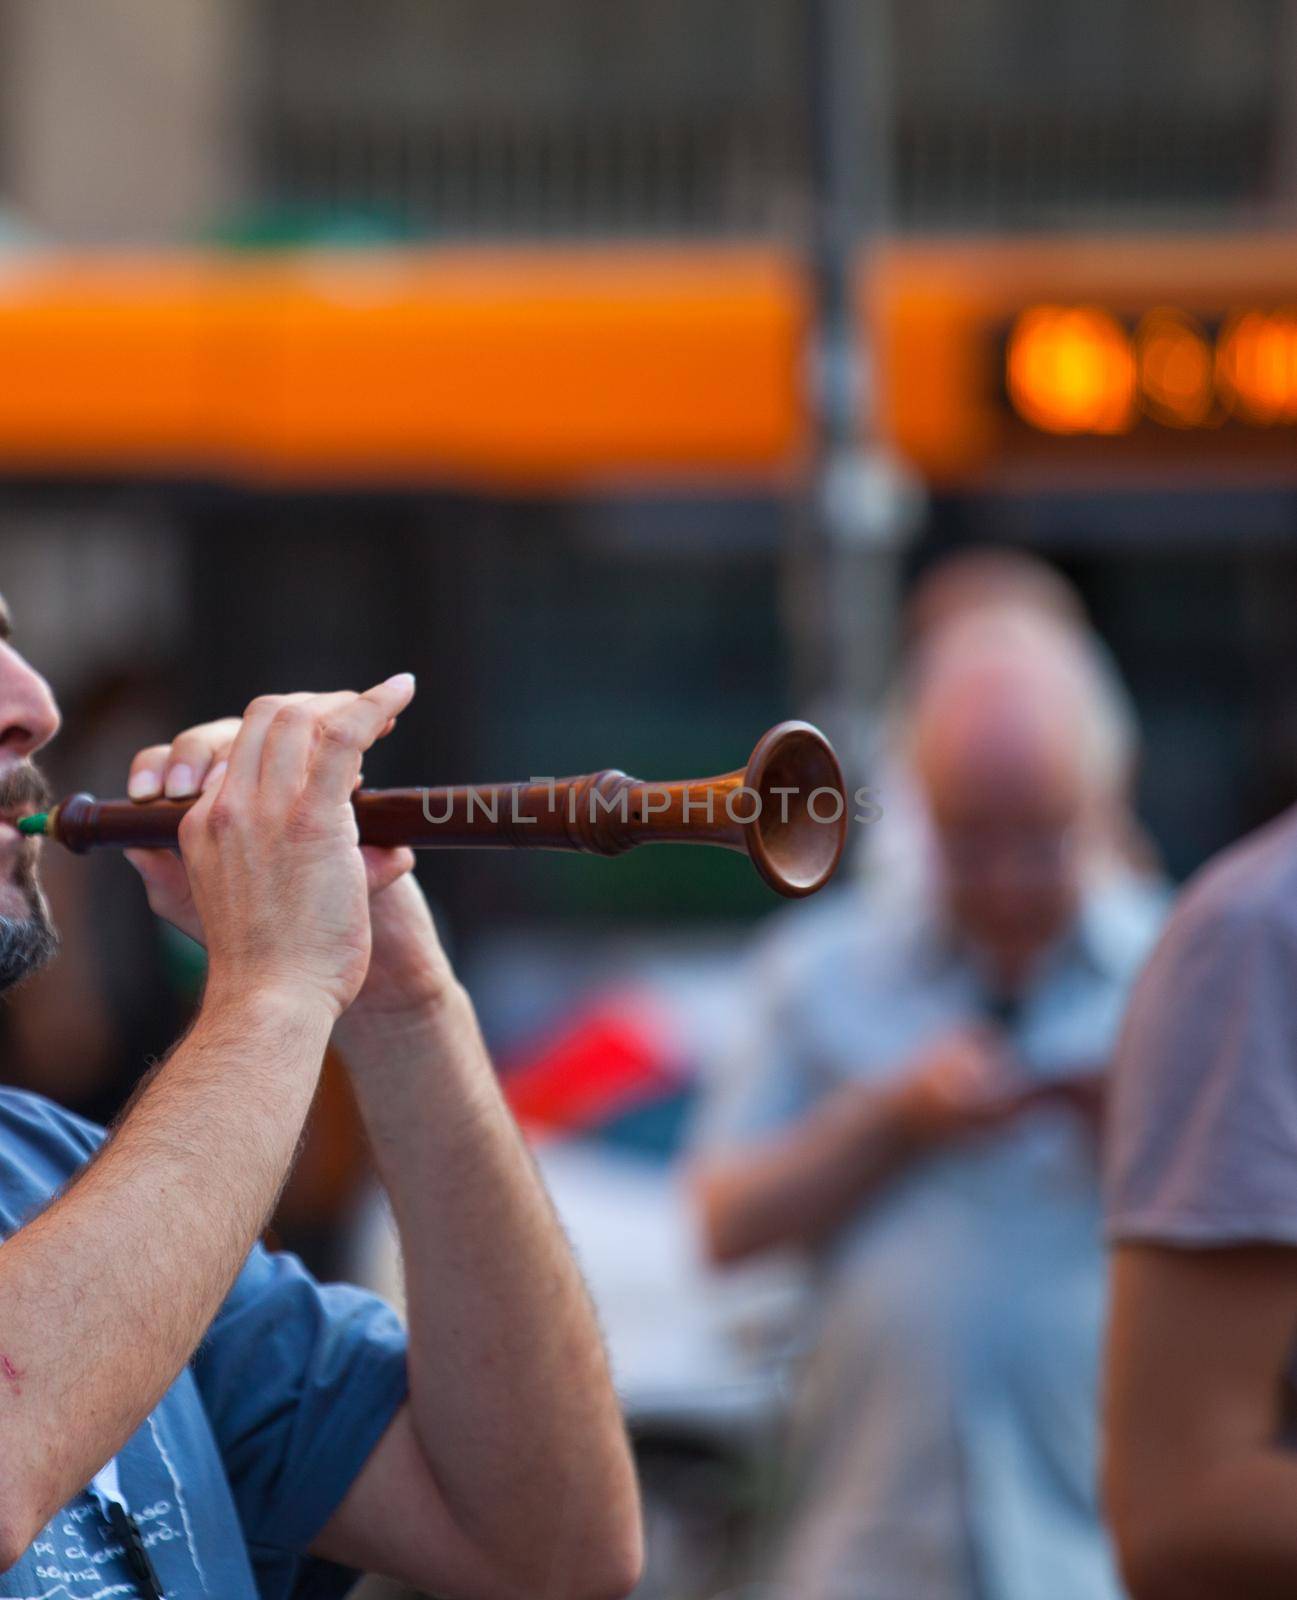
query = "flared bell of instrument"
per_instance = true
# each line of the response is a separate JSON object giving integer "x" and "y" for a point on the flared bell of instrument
{"x": 798, "y": 832}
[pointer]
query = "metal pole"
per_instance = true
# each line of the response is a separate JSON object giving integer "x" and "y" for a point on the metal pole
{"x": 856, "y": 508}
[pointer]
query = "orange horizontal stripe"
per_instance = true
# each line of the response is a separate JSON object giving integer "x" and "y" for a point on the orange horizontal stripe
{"x": 544, "y": 367}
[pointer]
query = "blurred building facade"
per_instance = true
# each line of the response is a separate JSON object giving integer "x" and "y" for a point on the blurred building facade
{"x": 462, "y": 119}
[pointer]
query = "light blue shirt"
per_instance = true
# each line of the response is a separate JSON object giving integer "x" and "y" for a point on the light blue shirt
{"x": 946, "y": 1424}
{"x": 251, "y": 1450}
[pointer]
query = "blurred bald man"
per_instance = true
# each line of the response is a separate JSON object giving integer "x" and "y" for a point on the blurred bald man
{"x": 990, "y": 582}
{"x": 912, "y": 1106}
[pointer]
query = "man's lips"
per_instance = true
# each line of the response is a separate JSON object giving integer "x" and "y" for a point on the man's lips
{"x": 9, "y": 825}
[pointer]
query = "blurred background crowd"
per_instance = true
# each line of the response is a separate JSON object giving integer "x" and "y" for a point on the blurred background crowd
{"x": 638, "y": 375}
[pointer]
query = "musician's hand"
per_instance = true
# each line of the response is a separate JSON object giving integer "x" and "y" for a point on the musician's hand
{"x": 960, "y": 1086}
{"x": 409, "y": 974}
{"x": 275, "y": 873}
{"x": 192, "y": 761}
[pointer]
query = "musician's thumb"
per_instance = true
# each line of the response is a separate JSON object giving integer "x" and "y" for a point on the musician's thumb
{"x": 384, "y": 866}
{"x": 165, "y": 879}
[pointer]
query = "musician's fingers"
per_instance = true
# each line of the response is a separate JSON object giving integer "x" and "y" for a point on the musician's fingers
{"x": 382, "y": 734}
{"x": 245, "y": 771}
{"x": 343, "y": 723}
{"x": 294, "y": 732}
{"x": 193, "y": 753}
{"x": 160, "y": 869}
{"x": 243, "y": 764}
{"x": 144, "y": 781}
{"x": 384, "y": 867}
{"x": 166, "y": 883}
{"x": 180, "y": 768}
{"x": 346, "y": 733}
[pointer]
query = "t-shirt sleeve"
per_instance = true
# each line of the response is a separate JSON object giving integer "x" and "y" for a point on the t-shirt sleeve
{"x": 300, "y": 1380}
{"x": 43, "y": 1147}
{"x": 1202, "y": 1141}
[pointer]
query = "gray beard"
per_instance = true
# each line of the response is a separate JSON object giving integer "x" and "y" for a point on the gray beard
{"x": 26, "y": 943}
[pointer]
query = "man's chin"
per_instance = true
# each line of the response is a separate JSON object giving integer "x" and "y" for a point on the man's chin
{"x": 15, "y": 900}
{"x": 28, "y": 940}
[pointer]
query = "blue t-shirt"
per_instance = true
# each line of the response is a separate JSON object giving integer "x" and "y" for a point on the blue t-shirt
{"x": 254, "y": 1445}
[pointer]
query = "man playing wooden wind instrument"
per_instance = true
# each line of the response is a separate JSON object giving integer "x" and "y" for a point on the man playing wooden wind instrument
{"x": 185, "y": 1414}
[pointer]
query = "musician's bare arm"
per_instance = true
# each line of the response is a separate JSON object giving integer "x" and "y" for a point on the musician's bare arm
{"x": 511, "y": 1410}
{"x": 105, "y": 1295}
{"x": 508, "y": 1471}
{"x": 1201, "y": 1495}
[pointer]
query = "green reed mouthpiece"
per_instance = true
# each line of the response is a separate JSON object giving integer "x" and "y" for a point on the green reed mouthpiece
{"x": 33, "y": 824}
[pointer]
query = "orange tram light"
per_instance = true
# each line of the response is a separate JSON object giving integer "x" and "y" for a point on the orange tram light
{"x": 1084, "y": 370}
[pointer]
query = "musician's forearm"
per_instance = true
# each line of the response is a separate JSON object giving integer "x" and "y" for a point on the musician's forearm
{"x": 507, "y": 1371}
{"x": 106, "y": 1294}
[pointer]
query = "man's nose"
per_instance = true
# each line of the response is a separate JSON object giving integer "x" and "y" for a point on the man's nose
{"x": 29, "y": 717}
